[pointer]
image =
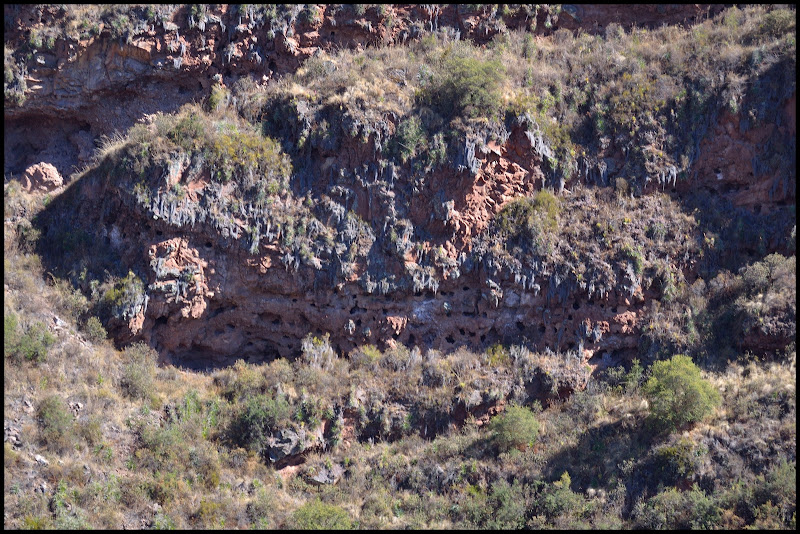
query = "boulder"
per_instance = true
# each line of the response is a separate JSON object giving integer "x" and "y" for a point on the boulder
{"x": 322, "y": 475}
{"x": 42, "y": 177}
{"x": 286, "y": 442}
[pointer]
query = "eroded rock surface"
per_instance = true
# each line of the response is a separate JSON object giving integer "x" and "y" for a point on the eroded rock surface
{"x": 210, "y": 300}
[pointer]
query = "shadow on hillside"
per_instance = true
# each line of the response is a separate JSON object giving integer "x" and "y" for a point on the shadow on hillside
{"x": 73, "y": 244}
{"x": 608, "y": 454}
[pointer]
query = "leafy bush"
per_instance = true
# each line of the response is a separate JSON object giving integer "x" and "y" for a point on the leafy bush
{"x": 257, "y": 419}
{"x": 680, "y": 460}
{"x": 634, "y": 255}
{"x": 317, "y": 515}
{"x": 466, "y": 86}
{"x": 56, "y": 423}
{"x": 94, "y": 330}
{"x": 558, "y": 499}
{"x": 775, "y": 24}
{"x": 673, "y": 509}
{"x": 769, "y": 299}
{"x": 509, "y": 503}
{"x": 410, "y": 138}
{"x": 32, "y": 345}
{"x": 523, "y": 221}
{"x": 138, "y": 378}
{"x": 10, "y": 335}
{"x": 516, "y": 428}
{"x": 677, "y": 393}
{"x": 219, "y": 98}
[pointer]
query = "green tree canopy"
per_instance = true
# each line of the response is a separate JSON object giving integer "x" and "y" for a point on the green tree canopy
{"x": 516, "y": 428}
{"x": 678, "y": 394}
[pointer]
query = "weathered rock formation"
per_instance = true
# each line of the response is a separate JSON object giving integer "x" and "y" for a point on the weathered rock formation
{"x": 210, "y": 300}
{"x": 92, "y": 83}
{"x": 41, "y": 177}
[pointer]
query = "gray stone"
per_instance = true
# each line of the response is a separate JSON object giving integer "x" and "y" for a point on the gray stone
{"x": 324, "y": 476}
{"x": 285, "y": 443}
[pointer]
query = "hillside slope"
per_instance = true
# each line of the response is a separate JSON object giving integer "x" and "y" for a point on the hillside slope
{"x": 364, "y": 248}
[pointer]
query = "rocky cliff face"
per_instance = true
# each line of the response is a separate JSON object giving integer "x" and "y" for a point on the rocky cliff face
{"x": 87, "y": 73}
{"x": 210, "y": 296}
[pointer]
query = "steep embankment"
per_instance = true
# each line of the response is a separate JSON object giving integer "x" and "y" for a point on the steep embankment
{"x": 388, "y": 213}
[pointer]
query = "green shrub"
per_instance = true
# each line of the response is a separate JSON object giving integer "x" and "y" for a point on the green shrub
{"x": 466, "y": 87}
{"x": 138, "y": 375}
{"x": 779, "y": 487}
{"x": 677, "y": 393}
{"x": 498, "y": 356}
{"x": 317, "y": 515}
{"x": 680, "y": 460}
{"x": 634, "y": 255}
{"x": 56, "y": 423}
{"x": 261, "y": 508}
{"x": 33, "y": 345}
{"x": 525, "y": 221}
{"x": 219, "y": 98}
{"x": 410, "y": 138}
{"x": 10, "y": 334}
{"x": 509, "y": 503}
{"x": 516, "y": 428}
{"x": 558, "y": 499}
{"x": 94, "y": 330}
{"x": 672, "y": 509}
{"x": 776, "y": 23}
{"x": 257, "y": 419}
{"x": 162, "y": 521}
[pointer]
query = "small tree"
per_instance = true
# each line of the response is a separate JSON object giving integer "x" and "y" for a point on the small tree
{"x": 516, "y": 428}
{"x": 678, "y": 394}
